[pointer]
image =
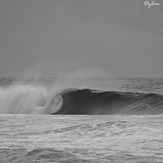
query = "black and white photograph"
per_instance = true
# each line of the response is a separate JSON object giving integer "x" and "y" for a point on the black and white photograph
{"x": 81, "y": 81}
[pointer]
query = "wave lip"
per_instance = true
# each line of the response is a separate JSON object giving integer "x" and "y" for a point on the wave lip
{"x": 87, "y": 102}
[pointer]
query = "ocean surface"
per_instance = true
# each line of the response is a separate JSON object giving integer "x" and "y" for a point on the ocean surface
{"x": 28, "y": 134}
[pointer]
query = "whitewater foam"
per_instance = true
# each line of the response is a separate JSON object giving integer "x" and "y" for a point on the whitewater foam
{"x": 17, "y": 99}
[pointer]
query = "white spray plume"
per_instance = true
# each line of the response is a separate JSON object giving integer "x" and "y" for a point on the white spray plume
{"x": 25, "y": 98}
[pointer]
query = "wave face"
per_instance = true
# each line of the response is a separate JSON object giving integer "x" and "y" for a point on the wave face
{"x": 87, "y": 101}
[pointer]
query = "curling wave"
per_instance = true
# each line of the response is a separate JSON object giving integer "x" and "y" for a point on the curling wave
{"x": 87, "y": 101}
{"x": 28, "y": 99}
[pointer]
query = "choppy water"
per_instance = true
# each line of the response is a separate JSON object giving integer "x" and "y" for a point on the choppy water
{"x": 89, "y": 138}
{"x": 78, "y": 138}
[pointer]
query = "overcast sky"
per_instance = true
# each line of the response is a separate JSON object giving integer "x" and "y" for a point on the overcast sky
{"x": 123, "y": 37}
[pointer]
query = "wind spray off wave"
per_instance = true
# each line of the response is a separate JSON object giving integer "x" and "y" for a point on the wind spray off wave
{"x": 35, "y": 98}
{"x": 85, "y": 97}
{"x": 17, "y": 99}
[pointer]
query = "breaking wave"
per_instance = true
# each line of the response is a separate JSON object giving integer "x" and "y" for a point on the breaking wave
{"x": 34, "y": 99}
{"x": 86, "y": 101}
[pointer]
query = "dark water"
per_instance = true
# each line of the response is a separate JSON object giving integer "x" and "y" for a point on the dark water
{"x": 86, "y": 101}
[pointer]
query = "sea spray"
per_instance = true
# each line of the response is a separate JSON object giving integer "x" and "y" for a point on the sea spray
{"x": 17, "y": 99}
{"x": 34, "y": 98}
{"x": 81, "y": 79}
